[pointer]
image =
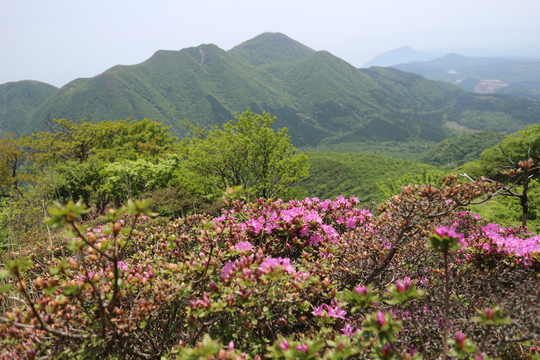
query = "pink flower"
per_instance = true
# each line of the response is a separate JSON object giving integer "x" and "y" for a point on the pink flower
{"x": 315, "y": 239}
{"x": 243, "y": 246}
{"x": 312, "y": 216}
{"x": 349, "y": 330}
{"x": 403, "y": 286}
{"x": 270, "y": 264}
{"x": 336, "y": 312}
{"x": 331, "y": 311}
{"x": 284, "y": 345}
{"x": 226, "y": 271}
{"x": 380, "y": 319}
{"x": 386, "y": 351}
{"x": 319, "y": 311}
{"x": 302, "y": 348}
{"x": 362, "y": 290}
{"x": 450, "y": 232}
{"x": 304, "y": 231}
{"x": 460, "y": 338}
{"x": 255, "y": 225}
{"x": 351, "y": 223}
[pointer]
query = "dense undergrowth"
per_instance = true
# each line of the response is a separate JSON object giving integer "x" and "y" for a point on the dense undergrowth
{"x": 417, "y": 278}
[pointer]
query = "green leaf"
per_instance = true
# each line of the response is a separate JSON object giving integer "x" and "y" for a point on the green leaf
{"x": 5, "y": 288}
{"x": 70, "y": 289}
{"x": 5, "y": 274}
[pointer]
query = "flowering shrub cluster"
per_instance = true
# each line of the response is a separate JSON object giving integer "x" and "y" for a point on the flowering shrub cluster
{"x": 418, "y": 278}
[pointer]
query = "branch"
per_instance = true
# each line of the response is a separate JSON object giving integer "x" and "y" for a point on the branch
{"x": 49, "y": 330}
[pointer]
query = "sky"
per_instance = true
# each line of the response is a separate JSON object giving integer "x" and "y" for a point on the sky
{"x": 56, "y": 41}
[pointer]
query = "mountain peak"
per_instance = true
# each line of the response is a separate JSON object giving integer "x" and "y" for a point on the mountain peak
{"x": 402, "y": 55}
{"x": 270, "y": 47}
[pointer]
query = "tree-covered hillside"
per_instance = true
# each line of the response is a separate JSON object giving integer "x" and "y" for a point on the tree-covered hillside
{"x": 355, "y": 174}
{"x": 18, "y": 101}
{"x": 320, "y": 98}
{"x": 456, "y": 151}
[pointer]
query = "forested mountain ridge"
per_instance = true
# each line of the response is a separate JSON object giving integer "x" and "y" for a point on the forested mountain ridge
{"x": 18, "y": 101}
{"x": 319, "y": 97}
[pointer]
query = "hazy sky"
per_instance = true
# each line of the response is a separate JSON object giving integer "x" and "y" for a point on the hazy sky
{"x": 56, "y": 41}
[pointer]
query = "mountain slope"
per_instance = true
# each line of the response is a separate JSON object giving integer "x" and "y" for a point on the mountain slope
{"x": 456, "y": 151}
{"x": 18, "y": 101}
{"x": 319, "y": 97}
{"x": 353, "y": 174}
{"x": 168, "y": 87}
{"x": 269, "y": 48}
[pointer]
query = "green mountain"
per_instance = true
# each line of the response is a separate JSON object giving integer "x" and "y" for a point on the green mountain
{"x": 271, "y": 48}
{"x": 18, "y": 101}
{"x": 513, "y": 76}
{"x": 320, "y": 98}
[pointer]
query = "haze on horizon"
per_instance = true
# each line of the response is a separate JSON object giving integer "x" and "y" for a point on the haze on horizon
{"x": 61, "y": 40}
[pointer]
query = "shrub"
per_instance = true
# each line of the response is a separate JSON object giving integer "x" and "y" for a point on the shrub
{"x": 294, "y": 280}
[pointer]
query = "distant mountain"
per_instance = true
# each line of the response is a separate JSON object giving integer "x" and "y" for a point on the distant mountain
{"x": 514, "y": 76}
{"x": 319, "y": 97}
{"x": 400, "y": 55}
{"x": 18, "y": 101}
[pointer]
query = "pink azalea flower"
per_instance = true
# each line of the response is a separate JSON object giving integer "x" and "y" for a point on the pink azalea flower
{"x": 244, "y": 246}
{"x": 380, "y": 319}
{"x": 362, "y": 290}
{"x": 349, "y": 330}
{"x": 351, "y": 223}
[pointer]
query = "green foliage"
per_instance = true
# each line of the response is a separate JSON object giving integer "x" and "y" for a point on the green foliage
{"x": 405, "y": 150}
{"x": 361, "y": 175}
{"x": 13, "y": 160}
{"x": 514, "y": 148}
{"x": 514, "y": 164}
{"x": 247, "y": 153}
{"x": 493, "y": 112}
{"x": 104, "y": 162}
{"x": 456, "y": 151}
{"x": 271, "y": 48}
{"x": 271, "y": 279}
{"x": 506, "y": 210}
{"x": 424, "y": 175}
{"x": 130, "y": 179}
{"x": 320, "y": 98}
{"x": 18, "y": 102}
{"x": 108, "y": 140}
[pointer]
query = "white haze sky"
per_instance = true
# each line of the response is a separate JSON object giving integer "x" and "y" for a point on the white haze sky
{"x": 56, "y": 41}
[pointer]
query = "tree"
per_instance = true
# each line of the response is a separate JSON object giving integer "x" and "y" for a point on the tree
{"x": 246, "y": 152}
{"x": 513, "y": 165}
{"x": 12, "y": 160}
{"x": 110, "y": 140}
{"x": 99, "y": 162}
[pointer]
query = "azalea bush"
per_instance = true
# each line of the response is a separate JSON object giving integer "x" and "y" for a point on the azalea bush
{"x": 417, "y": 278}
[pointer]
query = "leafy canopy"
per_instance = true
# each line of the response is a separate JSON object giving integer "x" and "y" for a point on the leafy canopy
{"x": 246, "y": 152}
{"x": 108, "y": 139}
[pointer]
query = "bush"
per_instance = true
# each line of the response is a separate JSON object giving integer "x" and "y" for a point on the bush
{"x": 293, "y": 280}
